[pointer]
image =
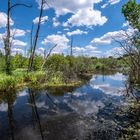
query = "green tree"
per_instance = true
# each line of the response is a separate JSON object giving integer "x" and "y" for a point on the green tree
{"x": 131, "y": 11}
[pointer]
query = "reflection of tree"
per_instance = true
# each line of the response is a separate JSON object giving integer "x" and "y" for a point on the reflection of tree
{"x": 9, "y": 97}
{"x": 35, "y": 111}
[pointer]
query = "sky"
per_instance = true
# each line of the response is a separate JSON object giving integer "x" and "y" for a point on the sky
{"x": 91, "y": 23}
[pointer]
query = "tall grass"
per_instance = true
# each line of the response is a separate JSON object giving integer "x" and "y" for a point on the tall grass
{"x": 19, "y": 78}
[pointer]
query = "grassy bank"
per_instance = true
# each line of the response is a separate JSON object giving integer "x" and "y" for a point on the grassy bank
{"x": 37, "y": 79}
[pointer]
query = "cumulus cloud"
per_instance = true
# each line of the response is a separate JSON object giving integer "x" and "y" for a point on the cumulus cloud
{"x": 18, "y": 32}
{"x": 61, "y": 41}
{"x": 88, "y": 50}
{"x": 3, "y": 20}
{"x": 18, "y": 43}
{"x": 109, "y": 37}
{"x": 89, "y": 18}
{"x": 40, "y": 51}
{"x": 15, "y": 43}
{"x": 110, "y": 2}
{"x": 66, "y": 6}
{"x": 115, "y": 52}
{"x": 76, "y": 32}
{"x": 17, "y": 51}
{"x": 43, "y": 20}
{"x": 55, "y": 39}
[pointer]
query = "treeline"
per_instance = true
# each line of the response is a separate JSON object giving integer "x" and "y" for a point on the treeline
{"x": 68, "y": 65}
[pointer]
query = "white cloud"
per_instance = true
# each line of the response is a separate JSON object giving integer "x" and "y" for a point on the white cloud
{"x": 66, "y": 29}
{"x": 3, "y": 20}
{"x": 17, "y": 46}
{"x": 55, "y": 39}
{"x": 61, "y": 41}
{"x": 64, "y": 48}
{"x": 17, "y": 51}
{"x": 126, "y": 24}
{"x": 18, "y": 32}
{"x": 110, "y": 2}
{"x": 115, "y": 52}
{"x": 18, "y": 43}
{"x": 105, "y": 5}
{"x": 55, "y": 22}
{"x": 109, "y": 37}
{"x": 76, "y": 32}
{"x": 100, "y": 41}
{"x": 14, "y": 33}
{"x": 59, "y": 32}
{"x": 66, "y": 6}
{"x": 88, "y": 50}
{"x": 40, "y": 51}
{"x": 43, "y": 20}
{"x": 89, "y": 18}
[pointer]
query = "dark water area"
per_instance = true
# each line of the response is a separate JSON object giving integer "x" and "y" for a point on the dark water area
{"x": 87, "y": 112}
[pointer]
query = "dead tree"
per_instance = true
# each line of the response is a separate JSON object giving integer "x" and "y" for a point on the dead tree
{"x": 71, "y": 47}
{"x": 7, "y": 39}
{"x": 31, "y": 59}
{"x": 46, "y": 56}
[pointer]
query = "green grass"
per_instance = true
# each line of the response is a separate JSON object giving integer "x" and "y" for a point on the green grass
{"x": 37, "y": 79}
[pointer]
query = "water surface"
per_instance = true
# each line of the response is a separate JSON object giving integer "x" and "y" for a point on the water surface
{"x": 87, "y": 112}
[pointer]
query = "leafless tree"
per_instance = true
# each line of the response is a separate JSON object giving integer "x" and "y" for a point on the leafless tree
{"x": 71, "y": 46}
{"x": 7, "y": 44}
{"x": 46, "y": 56}
{"x": 131, "y": 47}
{"x": 35, "y": 40}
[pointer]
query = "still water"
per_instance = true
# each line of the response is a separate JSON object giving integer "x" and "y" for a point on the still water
{"x": 87, "y": 112}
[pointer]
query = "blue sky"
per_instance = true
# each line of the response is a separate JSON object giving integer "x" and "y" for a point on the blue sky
{"x": 91, "y": 23}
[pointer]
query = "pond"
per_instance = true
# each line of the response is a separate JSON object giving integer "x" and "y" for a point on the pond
{"x": 88, "y": 112}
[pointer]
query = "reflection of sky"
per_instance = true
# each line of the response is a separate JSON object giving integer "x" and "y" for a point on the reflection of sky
{"x": 100, "y": 94}
{"x": 113, "y": 84}
{"x": 88, "y": 99}
{"x": 3, "y": 107}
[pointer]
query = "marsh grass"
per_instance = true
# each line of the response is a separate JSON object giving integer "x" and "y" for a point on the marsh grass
{"x": 20, "y": 78}
{"x": 41, "y": 79}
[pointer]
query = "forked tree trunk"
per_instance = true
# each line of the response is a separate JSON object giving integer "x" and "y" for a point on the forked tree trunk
{"x": 31, "y": 59}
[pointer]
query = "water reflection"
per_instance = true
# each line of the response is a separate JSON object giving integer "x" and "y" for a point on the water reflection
{"x": 35, "y": 114}
{"x": 8, "y": 101}
{"x": 73, "y": 113}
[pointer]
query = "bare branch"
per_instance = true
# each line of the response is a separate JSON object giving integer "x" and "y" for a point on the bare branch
{"x": 49, "y": 53}
{"x": 19, "y": 4}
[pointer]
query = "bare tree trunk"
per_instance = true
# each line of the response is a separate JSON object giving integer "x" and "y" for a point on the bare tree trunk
{"x": 71, "y": 51}
{"x": 31, "y": 47}
{"x": 7, "y": 43}
{"x": 36, "y": 38}
{"x": 7, "y": 40}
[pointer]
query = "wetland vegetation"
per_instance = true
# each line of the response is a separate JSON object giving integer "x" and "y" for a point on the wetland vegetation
{"x": 58, "y": 96}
